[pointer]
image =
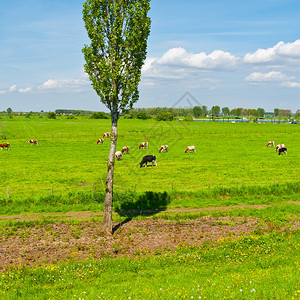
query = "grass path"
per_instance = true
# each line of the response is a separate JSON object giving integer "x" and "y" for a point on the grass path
{"x": 89, "y": 215}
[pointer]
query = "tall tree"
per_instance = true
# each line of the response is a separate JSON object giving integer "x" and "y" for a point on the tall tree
{"x": 204, "y": 107}
{"x": 215, "y": 110}
{"x": 118, "y": 30}
{"x": 239, "y": 112}
{"x": 197, "y": 111}
{"x": 225, "y": 111}
{"x": 260, "y": 112}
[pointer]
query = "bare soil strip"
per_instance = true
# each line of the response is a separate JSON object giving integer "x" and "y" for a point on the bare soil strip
{"x": 62, "y": 241}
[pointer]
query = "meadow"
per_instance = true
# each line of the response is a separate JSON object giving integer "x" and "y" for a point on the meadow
{"x": 221, "y": 223}
{"x": 67, "y": 158}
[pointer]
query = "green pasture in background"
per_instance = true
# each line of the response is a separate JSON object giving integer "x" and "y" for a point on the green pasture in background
{"x": 68, "y": 159}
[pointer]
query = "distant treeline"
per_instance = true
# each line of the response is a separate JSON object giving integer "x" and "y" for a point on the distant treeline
{"x": 73, "y": 112}
{"x": 168, "y": 113}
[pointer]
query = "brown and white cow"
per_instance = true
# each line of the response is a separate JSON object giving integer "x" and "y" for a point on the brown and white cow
{"x": 279, "y": 146}
{"x": 125, "y": 150}
{"x": 270, "y": 144}
{"x": 5, "y": 145}
{"x": 33, "y": 142}
{"x": 100, "y": 141}
{"x": 106, "y": 134}
{"x": 190, "y": 148}
{"x": 144, "y": 145}
{"x": 118, "y": 155}
{"x": 163, "y": 148}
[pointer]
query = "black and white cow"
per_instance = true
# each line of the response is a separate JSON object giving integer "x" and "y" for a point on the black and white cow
{"x": 148, "y": 159}
{"x": 282, "y": 150}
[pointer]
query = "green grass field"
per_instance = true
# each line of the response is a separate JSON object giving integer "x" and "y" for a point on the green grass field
{"x": 233, "y": 178}
{"x": 68, "y": 159}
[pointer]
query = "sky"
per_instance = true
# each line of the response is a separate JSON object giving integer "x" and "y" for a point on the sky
{"x": 232, "y": 53}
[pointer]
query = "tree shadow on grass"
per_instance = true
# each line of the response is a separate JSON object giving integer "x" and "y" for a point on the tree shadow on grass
{"x": 147, "y": 204}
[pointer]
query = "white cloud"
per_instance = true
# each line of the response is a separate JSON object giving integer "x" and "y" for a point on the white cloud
{"x": 291, "y": 84}
{"x": 280, "y": 53}
{"x": 65, "y": 85}
{"x": 12, "y": 89}
{"x": 177, "y": 63}
{"x": 180, "y": 57}
{"x": 271, "y": 76}
{"x": 25, "y": 90}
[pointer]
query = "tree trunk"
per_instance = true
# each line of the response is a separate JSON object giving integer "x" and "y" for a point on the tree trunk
{"x": 107, "y": 218}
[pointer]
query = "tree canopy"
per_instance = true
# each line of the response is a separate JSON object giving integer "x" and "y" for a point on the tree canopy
{"x": 118, "y": 31}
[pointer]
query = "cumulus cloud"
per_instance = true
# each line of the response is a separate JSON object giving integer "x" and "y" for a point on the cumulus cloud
{"x": 65, "y": 85}
{"x": 25, "y": 90}
{"x": 216, "y": 59}
{"x": 291, "y": 84}
{"x": 12, "y": 89}
{"x": 280, "y": 53}
{"x": 271, "y": 76}
{"x": 177, "y": 61}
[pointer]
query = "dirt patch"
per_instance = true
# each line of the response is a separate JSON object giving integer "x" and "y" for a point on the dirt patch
{"x": 81, "y": 235}
{"x": 44, "y": 244}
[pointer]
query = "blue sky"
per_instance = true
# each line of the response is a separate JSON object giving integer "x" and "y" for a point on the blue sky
{"x": 231, "y": 53}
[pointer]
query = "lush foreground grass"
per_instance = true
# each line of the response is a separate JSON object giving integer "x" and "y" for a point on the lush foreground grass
{"x": 253, "y": 267}
{"x": 149, "y": 200}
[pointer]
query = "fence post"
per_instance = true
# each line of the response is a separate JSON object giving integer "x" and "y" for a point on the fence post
{"x": 7, "y": 191}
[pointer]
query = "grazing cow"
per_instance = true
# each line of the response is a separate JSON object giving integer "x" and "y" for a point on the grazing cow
{"x": 33, "y": 142}
{"x": 148, "y": 159}
{"x": 5, "y": 145}
{"x": 282, "y": 150}
{"x": 163, "y": 148}
{"x": 125, "y": 150}
{"x": 118, "y": 155}
{"x": 100, "y": 141}
{"x": 144, "y": 145}
{"x": 189, "y": 149}
{"x": 106, "y": 134}
{"x": 279, "y": 146}
{"x": 270, "y": 144}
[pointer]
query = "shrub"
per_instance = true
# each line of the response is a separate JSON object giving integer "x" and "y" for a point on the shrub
{"x": 142, "y": 115}
{"x": 129, "y": 116}
{"x": 98, "y": 115}
{"x": 189, "y": 118}
{"x": 51, "y": 115}
{"x": 165, "y": 116}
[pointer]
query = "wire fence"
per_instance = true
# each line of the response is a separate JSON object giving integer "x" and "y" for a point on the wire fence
{"x": 11, "y": 191}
